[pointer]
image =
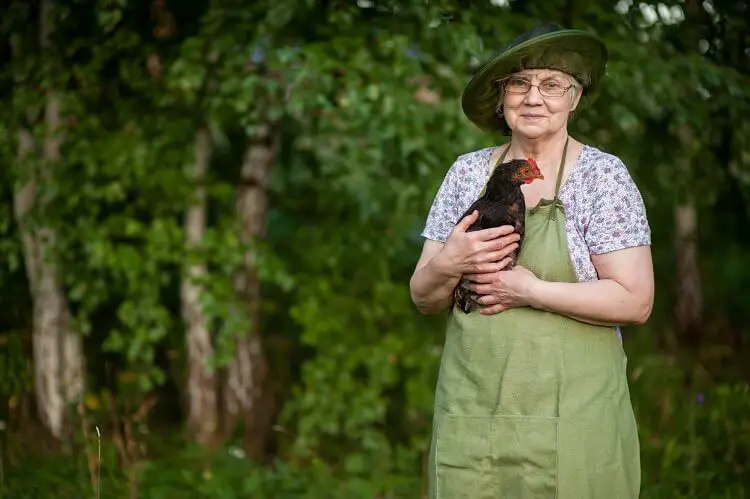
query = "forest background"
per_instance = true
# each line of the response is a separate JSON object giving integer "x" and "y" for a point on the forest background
{"x": 210, "y": 211}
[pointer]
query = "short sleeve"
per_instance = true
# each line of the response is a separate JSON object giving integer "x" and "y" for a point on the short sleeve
{"x": 617, "y": 215}
{"x": 444, "y": 212}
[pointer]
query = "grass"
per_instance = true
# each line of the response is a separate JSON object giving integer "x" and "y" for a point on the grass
{"x": 693, "y": 427}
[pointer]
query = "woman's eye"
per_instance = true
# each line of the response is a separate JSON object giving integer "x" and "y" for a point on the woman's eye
{"x": 516, "y": 82}
{"x": 552, "y": 85}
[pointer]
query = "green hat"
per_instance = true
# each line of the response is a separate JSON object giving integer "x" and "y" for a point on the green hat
{"x": 576, "y": 52}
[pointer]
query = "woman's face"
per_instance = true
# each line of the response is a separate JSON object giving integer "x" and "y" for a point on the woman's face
{"x": 544, "y": 108}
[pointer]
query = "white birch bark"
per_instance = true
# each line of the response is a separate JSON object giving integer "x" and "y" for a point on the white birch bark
{"x": 59, "y": 375}
{"x": 245, "y": 390}
{"x": 201, "y": 389}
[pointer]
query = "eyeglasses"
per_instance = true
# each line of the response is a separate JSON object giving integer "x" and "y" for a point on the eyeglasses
{"x": 548, "y": 88}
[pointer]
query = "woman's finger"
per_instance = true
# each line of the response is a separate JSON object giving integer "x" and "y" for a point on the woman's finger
{"x": 493, "y": 309}
{"x": 490, "y": 300}
{"x": 496, "y": 256}
{"x": 464, "y": 224}
{"x": 480, "y": 278}
{"x": 492, "y": 267}
{"x": 481, "y": 289}
{"x": 494, "y": 232}
{"x": 502, "y": 242}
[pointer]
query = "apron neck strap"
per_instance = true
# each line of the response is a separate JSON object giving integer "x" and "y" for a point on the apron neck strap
{"x": 559, "y": 171}
{"x": 502, "y": 157}
{"x": 562, "y": 168}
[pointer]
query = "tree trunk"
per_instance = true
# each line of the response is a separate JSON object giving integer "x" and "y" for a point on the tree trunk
{"x": 73, "y": 358}
{"x": 245, "y": 393}
{"x": 58, "y": 354}
{"x": 689, "y": 297}
{"x": 689, "y": 301}
{"x": 23, "y": 201}
{"x": 201, "y": 389}
{"x": 46, "y": 300}
{"x": 69, "y": 344}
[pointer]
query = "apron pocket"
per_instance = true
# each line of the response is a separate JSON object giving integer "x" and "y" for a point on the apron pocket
{"x": 493, "y": 457}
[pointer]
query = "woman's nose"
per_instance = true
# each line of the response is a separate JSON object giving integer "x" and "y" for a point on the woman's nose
{"x": 533, "y": 96}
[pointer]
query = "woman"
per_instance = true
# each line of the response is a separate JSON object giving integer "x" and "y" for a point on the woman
{"x": 532, "y": 397}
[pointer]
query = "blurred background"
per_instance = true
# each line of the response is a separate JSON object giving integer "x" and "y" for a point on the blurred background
{"x": 210, "y": 212}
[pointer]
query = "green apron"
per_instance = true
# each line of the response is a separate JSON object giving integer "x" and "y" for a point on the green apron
{"x": 533, "y": 404}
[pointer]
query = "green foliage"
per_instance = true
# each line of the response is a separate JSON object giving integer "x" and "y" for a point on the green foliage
{"x": 15, "y": 370}
{"x": 364, "y": 97}
{"x": 694, "y": 437}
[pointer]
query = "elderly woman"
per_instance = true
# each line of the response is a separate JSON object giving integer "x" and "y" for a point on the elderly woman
{"x": 532, "y": 397}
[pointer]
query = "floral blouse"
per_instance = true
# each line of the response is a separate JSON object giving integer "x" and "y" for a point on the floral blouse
{"x": 604, "y": 208}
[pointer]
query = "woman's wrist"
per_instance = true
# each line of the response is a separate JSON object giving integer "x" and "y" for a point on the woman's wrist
{"x": 535, "y": 293}
{"x": 442, "y": 265}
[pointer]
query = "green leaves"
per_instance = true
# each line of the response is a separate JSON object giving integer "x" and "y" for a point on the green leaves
{"x": 365, "y": 98}
{"x": 110, "y": 13}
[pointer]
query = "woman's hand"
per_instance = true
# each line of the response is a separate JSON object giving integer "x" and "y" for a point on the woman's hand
{"x": 478, "y": 252}
{"x": 502, "y": 290}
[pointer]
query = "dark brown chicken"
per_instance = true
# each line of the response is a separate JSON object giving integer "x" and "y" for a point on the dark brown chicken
{"x": 501, "y": 204}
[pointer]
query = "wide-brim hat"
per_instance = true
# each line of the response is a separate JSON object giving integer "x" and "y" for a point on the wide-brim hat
{"x": 576, "y": 52}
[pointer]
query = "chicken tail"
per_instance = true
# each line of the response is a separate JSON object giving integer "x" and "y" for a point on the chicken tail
{"x": 464, "y": 298}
